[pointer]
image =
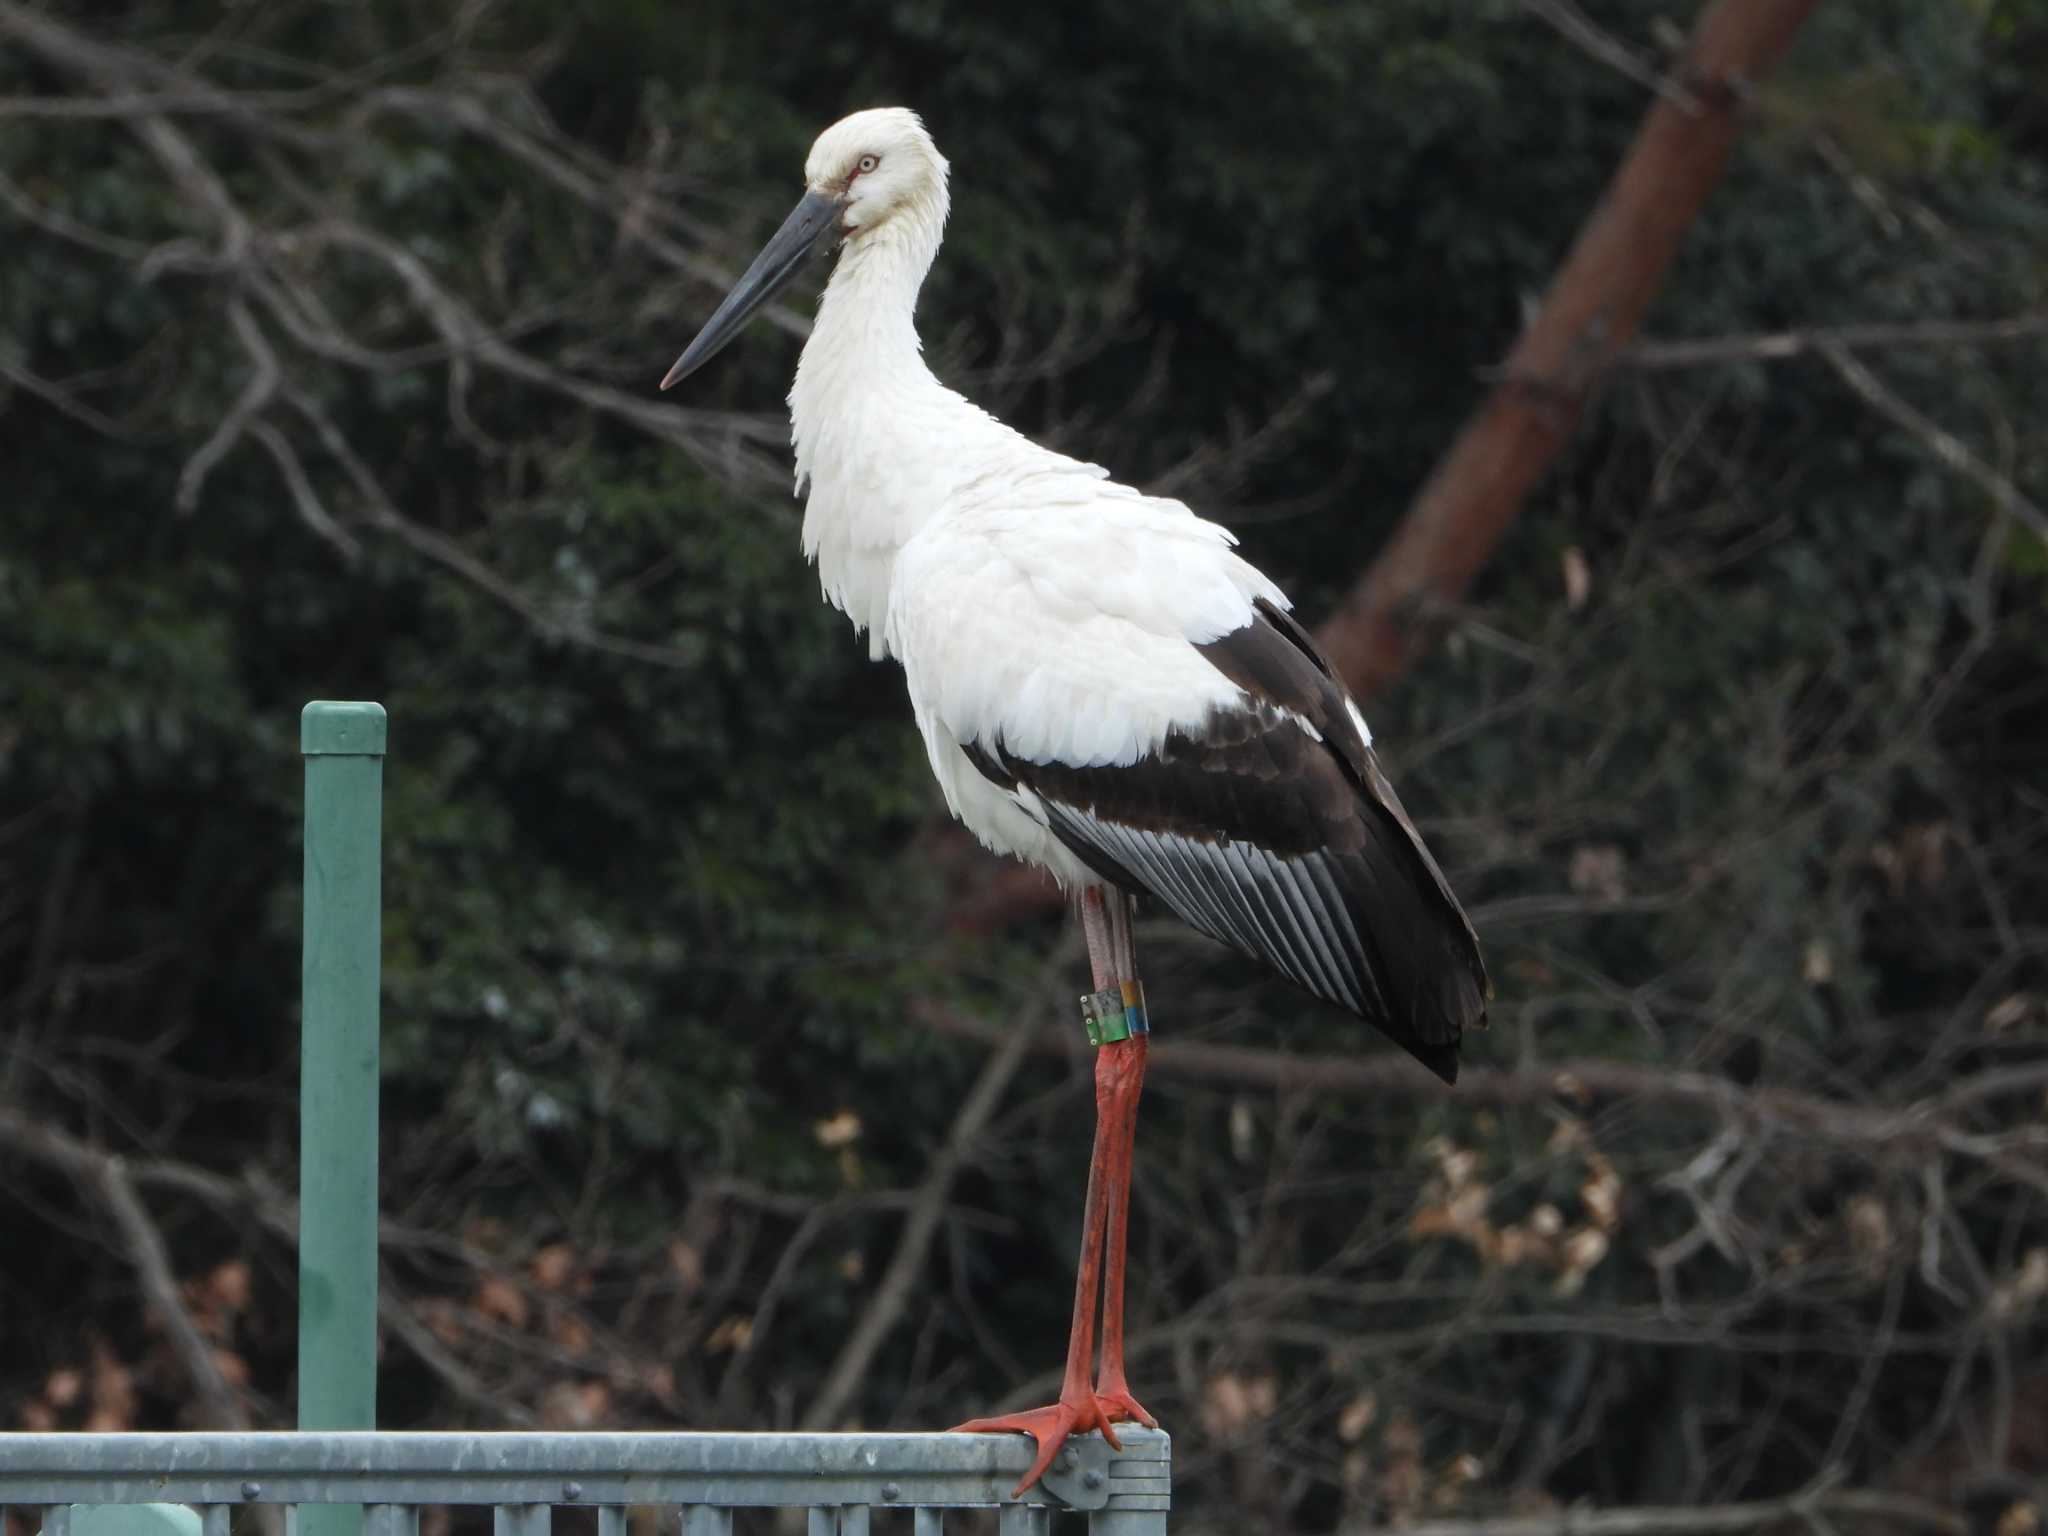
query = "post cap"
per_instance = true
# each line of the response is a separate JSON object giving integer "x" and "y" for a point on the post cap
{"x": 331, "y": 728}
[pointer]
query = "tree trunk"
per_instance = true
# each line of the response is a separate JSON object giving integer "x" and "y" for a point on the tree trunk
{"x": 1590, "y": 313}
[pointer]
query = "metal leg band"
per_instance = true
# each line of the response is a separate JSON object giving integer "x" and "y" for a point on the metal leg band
{"x": 1115, "y": 1013}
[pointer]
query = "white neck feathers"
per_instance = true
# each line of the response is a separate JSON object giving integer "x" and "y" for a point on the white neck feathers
{"x": 862, "y": 407}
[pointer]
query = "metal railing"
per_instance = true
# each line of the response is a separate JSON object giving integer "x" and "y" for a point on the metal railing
{"x": 524, "y": 1476}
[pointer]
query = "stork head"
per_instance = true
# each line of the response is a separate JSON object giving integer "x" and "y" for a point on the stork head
{"x": 879, "y": 164}
{"x": 870, "y": 177}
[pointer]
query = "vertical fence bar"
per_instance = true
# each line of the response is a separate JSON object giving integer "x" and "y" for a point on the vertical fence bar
{"x": 706, "y": 1520}
{"x": 929, "y": 1521}
{"x": 343, "y": 744}
{"x": 522, "y": 1519}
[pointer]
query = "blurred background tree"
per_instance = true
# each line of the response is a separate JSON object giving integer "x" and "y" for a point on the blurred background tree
{"x": 327, "y": 343}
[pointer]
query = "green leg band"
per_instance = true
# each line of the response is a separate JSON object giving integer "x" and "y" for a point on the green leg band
{"x": 1115, "y": 1013}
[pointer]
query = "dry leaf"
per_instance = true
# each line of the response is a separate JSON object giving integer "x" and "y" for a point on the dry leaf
{"x": 1401, "y": 1478}
{"x": 1601, "y": 1192}
{"x": 113, "y": 1392}
{"x": 1357, "y": 1417}
{"x": 569, "y": 1334}
{"x": 442, "y": 1318}
{"x": 573, "y": 1405}
{"x": 2025, "y": 1289}
{"x": 2008, "y": 1011}
{"x": 1870, "y": 1232}
{"x": 64, "y": 1386}
{"x": 687, "y": 1263}
{"x": 730, "y": 1336}
{"x": 1578, "y": 578}
{"x": 841, "y": 1130}
{"x": 554, "y": 1267}
{"x": 1583, "y": 1251}
{"x": 658, "y": 1381}
{"x": 1230, "y": 1402}
{"x": 1817, "y": 964}
{"x": 500, "y": 1300}
{"x": 230, "y": 1286}
{"x": 1243, "y": 1131}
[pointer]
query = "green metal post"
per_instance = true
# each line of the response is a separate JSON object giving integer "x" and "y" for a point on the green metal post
{"x": 344, "y": 748}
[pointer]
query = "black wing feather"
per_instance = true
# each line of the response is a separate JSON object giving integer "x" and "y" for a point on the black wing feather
{"x": 1290, "y": 848}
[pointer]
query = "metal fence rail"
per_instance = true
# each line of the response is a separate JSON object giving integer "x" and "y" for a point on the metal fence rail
{"x": 839, "y": 1478}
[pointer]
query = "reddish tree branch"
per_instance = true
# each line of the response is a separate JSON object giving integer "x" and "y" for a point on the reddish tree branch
{"x": 1589, "y": 314}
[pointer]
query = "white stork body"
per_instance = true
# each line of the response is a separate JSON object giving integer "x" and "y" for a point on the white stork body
{"x": 1104, "y": 687}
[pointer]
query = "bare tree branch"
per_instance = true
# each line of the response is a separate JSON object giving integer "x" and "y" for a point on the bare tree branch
{"x": 898, "y": 1284}
{"x": 1939, "y": 441}
{"x": 305, "y": 500}
{"x": 1776, "y": 346}
{"x": 256, "y": 394}
{"x": 1594, "y": 40}
{"x": 107, "y": 1177}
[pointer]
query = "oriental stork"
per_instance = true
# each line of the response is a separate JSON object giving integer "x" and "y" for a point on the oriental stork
{"x": 1104, "y": 690}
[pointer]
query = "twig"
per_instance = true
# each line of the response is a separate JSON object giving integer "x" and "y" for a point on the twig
{"x": 255, "y": 395}
{"x": 629, "y": 214}
{"x": 899, "y": 1282}
{"x": 237, "y": 1203}
{"x": 56, "y": 395}
{"x": 1938, "y": 440}
{"x": 108, "y": 1176}
{"x": 1580, "y": 29}
{"x": 405, "y": 1323}
{"x": 311, "y": 509}
{"x": 1776, "y": 346}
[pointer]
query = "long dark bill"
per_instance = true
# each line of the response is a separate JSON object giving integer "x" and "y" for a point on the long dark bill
{"x": 785, "y": 251}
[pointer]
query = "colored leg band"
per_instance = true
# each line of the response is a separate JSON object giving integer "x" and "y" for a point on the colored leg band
{"x": 1115, "y": 1013}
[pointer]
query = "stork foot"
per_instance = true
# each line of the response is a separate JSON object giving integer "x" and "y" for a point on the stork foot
{"x": 1119, "y": 1407}
{"x": 1050, "y": 1427}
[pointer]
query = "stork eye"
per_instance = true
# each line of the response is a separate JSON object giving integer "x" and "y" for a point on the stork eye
{"x": 866, "y": 163}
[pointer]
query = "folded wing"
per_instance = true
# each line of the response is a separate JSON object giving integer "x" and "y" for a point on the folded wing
{"x": 1269, "y": 826}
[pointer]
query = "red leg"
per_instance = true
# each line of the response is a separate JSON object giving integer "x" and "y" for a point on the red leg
{"x": 1077, "y": 1411}
{"x": 1119, "y": 1074}
{"x": 1111, "y": 1390}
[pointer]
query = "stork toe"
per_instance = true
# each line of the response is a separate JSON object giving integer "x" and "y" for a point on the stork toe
{"x": 1050, "y": 1427}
